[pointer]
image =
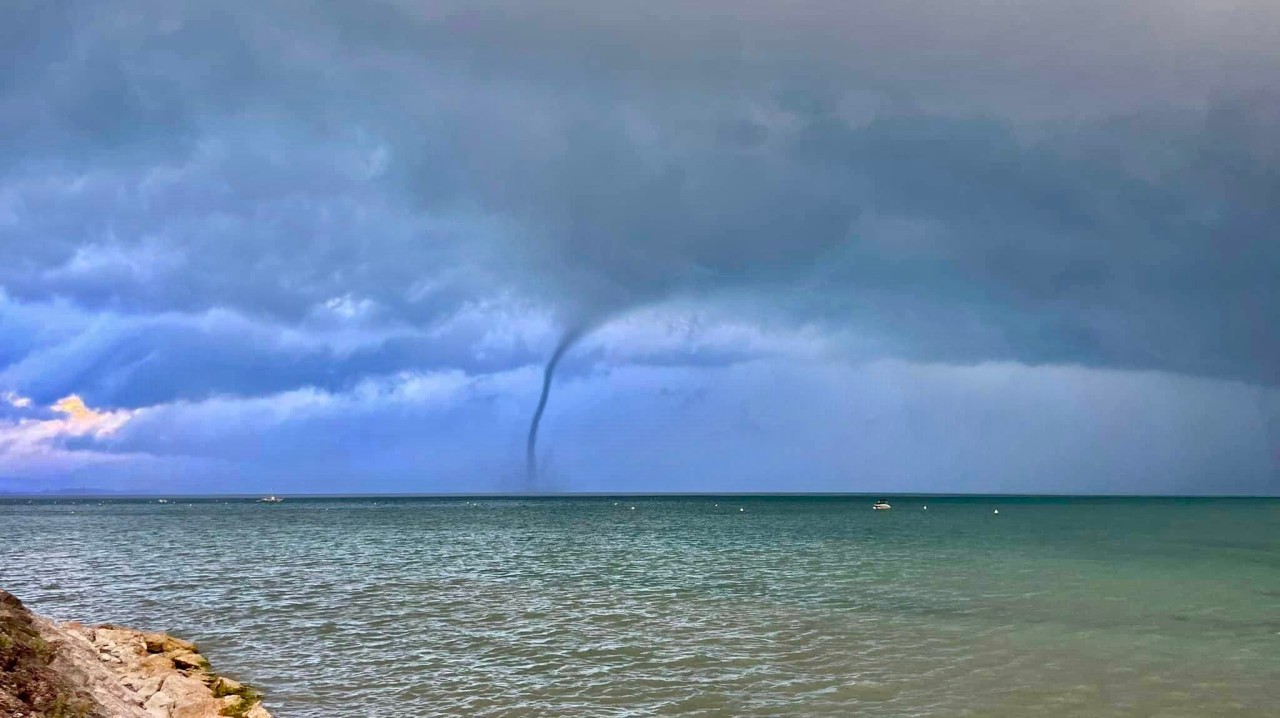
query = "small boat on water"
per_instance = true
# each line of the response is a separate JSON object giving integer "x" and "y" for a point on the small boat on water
{"x": 881, "y": 505}
{"x": 273, "y": 499}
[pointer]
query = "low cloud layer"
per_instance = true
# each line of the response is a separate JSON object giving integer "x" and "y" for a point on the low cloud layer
{"x": 254, "y": 202}
{"x": 764, "y": 425}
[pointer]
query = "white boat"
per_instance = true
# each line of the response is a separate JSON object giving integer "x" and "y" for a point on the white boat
{"x": 881, "y": 505}
{"x": 273, "y": 499}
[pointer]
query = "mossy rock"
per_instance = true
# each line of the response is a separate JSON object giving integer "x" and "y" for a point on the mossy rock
{"x": 238, "y": 699}
{"x": 28, "y": 684}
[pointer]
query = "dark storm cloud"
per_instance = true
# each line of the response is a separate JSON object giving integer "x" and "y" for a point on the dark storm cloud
{"x": 1088, "y": 184}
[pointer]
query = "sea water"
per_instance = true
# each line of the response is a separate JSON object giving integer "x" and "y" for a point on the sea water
{"x": 713, "y": 606}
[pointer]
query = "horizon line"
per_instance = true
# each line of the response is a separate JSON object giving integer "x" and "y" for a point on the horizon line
{"x": 613, "y": 494}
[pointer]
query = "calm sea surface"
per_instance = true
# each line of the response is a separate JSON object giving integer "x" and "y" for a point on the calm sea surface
{"x": 687, "y": 606}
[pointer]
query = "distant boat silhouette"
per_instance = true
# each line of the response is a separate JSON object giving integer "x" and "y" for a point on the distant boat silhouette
{"x": 273, "y": 499}
{"x": 881, "y": 505}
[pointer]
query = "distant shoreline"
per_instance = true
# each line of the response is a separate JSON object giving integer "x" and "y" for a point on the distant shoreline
{"x": 594, "y": 495}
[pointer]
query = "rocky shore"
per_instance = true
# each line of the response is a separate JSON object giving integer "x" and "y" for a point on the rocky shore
{"x": 68, "y": 670}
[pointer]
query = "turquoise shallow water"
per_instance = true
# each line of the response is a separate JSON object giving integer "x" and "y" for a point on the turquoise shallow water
{"x": 687, "y": 606}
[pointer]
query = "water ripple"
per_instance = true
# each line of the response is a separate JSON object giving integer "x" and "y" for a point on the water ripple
{"x": 682, "y": 607}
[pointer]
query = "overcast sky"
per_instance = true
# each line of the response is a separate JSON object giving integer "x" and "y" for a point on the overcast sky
{"x": 887, "y": 245}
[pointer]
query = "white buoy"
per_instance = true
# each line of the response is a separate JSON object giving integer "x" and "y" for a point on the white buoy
{"x": 633, "y": 508}
{"x": 926, "y": 508}
{"x": 742, "y": 509}
{"x": 996, "y": 511}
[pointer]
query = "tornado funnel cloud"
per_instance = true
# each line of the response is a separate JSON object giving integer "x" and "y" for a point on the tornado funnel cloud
{"x": 566, "y": 342}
